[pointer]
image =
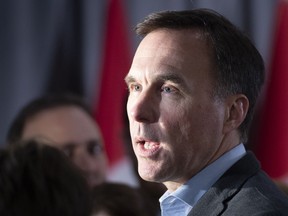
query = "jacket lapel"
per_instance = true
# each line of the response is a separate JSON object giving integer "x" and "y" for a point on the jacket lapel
{"x": 214, "y": 201}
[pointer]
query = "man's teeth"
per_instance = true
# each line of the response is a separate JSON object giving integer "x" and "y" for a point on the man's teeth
{"x": 149, "y": 146}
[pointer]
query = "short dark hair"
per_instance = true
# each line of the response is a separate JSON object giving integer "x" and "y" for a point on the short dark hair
{"x": 36, "y": 179}
{"x": 38, "y": 105}
{"x": 239, "y": 66}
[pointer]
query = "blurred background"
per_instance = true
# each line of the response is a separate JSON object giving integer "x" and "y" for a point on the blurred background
{"x": 86, "y": 47}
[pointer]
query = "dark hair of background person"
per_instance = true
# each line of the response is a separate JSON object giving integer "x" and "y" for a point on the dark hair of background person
{"x": 36, "y": 179}
{"x": 38, "y": 105}
{"x": 239, "y": 66}
{"x": 117, "y": 199}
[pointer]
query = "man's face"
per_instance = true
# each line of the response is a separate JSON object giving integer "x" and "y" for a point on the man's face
{"x": 175, "y": 123}
{"x": 72, "y": 130}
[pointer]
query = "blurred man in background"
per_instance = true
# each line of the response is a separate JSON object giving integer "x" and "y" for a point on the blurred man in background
{"x": 65, "y": 122}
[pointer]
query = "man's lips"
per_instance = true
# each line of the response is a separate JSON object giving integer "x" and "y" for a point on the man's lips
{"x": 145, "y": 148}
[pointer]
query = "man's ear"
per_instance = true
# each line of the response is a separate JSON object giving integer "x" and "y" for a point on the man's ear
{"x": 237, "y": 108}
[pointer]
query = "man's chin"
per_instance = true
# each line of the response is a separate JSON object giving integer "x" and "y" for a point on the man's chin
{"x": 148, "y": 176}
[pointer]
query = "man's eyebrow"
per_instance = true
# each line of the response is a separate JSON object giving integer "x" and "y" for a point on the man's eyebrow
{"x": 171, "y": 77}
{"x": 128, "y": 79}
{"x": 165, "y": 77}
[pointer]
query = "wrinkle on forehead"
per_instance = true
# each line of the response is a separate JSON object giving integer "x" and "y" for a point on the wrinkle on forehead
{"x": 169, "y": 49}
{"x": 162, "y": 39}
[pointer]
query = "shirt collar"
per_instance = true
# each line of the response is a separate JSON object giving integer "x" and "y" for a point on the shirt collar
{"x": 188, "y": 194}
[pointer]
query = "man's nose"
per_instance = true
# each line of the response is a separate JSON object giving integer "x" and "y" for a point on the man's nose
{"x": 144, "y": 107}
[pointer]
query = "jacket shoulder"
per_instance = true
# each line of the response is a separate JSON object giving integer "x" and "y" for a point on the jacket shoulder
{"x": 244, "y": 189}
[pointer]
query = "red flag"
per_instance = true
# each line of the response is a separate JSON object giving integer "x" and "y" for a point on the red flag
{"x": 116, "y": 64}
{"x": 272, "y": 149}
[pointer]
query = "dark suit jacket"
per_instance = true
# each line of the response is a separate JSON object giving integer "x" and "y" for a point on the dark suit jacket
{"x": 243, "y": 190}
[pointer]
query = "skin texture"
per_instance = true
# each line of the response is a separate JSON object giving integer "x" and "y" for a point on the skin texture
{"x": 177, "y": 127}
{"x": 75, "y": 132}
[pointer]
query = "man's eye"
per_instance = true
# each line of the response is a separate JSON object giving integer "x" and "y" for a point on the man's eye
{"x": 167, "y": 89}
{"x": 134, "y": 87}
{"x": 94, "y": 148}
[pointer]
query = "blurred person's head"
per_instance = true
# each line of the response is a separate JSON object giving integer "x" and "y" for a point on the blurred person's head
{"x": 65, "y": 122}
{"x": 117, "y": 199}
{"x": 37, "y": 179}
